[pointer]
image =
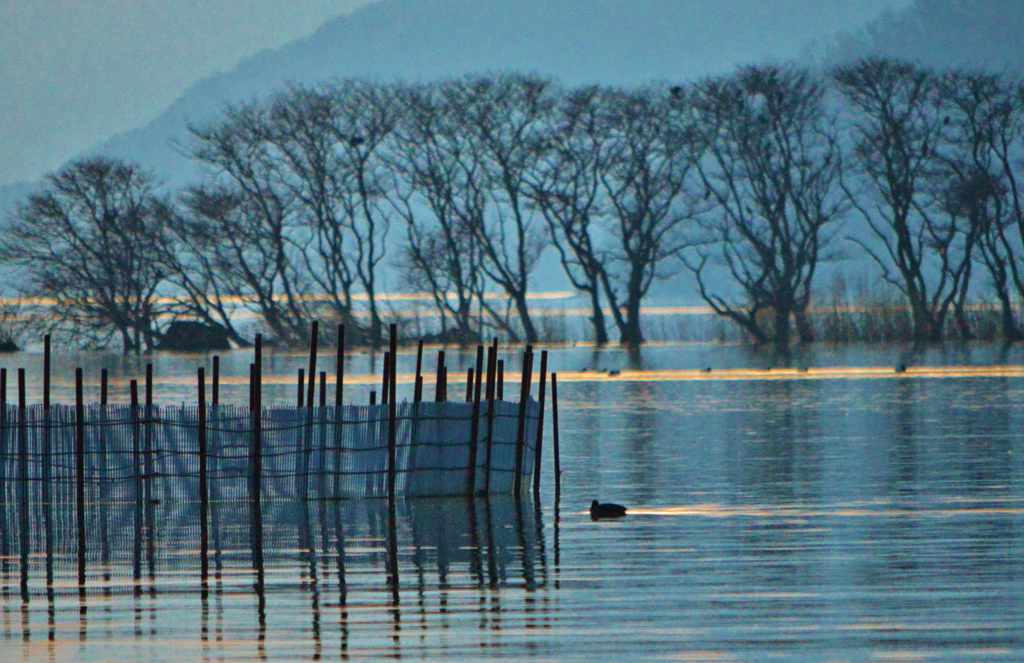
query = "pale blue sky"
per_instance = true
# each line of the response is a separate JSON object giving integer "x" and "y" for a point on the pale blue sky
{"x": 74, "y": 73}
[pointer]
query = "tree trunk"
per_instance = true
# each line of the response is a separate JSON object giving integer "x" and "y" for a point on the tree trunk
{"x": 600, "y": 330}
{"x": 631, "y": 335}
{"x": 524, "y": 318}
{"x": 781, "y": 323}
{"x": 803, "y": 326}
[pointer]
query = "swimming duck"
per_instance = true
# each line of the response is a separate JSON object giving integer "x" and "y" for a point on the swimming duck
{"x": 606, "y": 510}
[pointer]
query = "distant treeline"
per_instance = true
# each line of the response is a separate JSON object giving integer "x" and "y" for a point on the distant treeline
{"x": 747, "y": 181}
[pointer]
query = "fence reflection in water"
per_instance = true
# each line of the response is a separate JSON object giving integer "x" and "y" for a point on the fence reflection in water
{"x": 347, "y": 575}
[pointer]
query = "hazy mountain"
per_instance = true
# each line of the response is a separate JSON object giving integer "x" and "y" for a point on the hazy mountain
{"x": 607, "y": 41}
{"x": 985, "y": 34}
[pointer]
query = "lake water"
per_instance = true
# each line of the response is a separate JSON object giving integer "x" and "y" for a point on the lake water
{"x": 823, "y": 508}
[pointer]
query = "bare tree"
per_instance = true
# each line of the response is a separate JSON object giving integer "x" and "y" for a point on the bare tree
{"x": 505, "y": 118}
{"x": 984, "y": 121}
{"x": 441, "y": 193}
{"x": 769, "y": 167}
{"x": 896, "y": 185}
{"x": 89, "y": 241}
{"x": 646, "y": 175}
{"x": 248, "y": 216}
{"x": 566, "y": 188}
{"x": 192, "y": 259}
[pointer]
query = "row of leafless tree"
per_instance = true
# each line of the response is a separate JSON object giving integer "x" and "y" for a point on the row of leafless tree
{"x": 744, "y": 180}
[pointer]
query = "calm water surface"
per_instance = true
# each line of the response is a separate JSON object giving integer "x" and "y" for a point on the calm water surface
{"x": 856, "y": 517}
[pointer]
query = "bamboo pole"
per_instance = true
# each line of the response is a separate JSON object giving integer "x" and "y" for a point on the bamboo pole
{"x": 323, "y": 388}
{"x": 24, "y": 533}
{"x": 257, "y": 474}
{"x": 492, "y": 387}
{"x": 137, "y": 462}
{"x": 438, "y": 391}
{"x": 393, "y": 420}
{"x": 386, "y": 378}
{"x": 524, "y": 396}
{"x": 204, "y": 492}
{"x": 475, "y": 426}
{"x": 147, "y": 441}
{"x": 340, "y": 369}
{"x": 149, "y": 481}
{"x": 104, "y": 488}
{"x": 469, "y": 385}
{"x": 314, "y": 338}
{"x": 501, "y": 379}
{"x": 46, "y": 373}
{"x": 338, "y": 400}
{"x": 554, "y": 435}
{"x": 5, "y": 534}
{"x": 307, "y": 443}
{"x": 47, "y": 462}
{"x": 418, "y": 384}
{"x": 300, "y": 397}
{"x": 215, "y": 389}
{"x": 80, "y": 475}
{"x": 542, "y": 383}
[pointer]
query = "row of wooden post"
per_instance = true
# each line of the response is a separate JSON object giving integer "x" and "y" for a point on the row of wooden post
{"x": 493, "y": 391}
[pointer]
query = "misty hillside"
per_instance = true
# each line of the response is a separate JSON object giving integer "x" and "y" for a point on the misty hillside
{"x": 985, "y": 34}
{"x": 607, "y": 41}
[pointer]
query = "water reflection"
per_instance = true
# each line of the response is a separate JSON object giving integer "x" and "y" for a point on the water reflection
{"x": 846, "y": 512}
{"x": 334, "y": 579}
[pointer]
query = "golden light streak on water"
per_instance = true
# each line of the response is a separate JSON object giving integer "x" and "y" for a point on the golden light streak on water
{"x": 837, "y": 373}
{"x": 855, "y": 510}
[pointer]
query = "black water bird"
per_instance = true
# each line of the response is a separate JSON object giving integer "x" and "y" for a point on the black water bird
{"x": 606, "y": 510}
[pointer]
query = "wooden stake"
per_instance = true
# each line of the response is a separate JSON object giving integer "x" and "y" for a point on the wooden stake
{"x": 393, "y": 420}
{"x": 215, "y": 395}
{"x": 301, "y": 386}
{"x": 24, "y": 533}
{"x": 340, "y": 369}
{"x": 204, "y": 491}
{"x": 257, "y": 474}
{"x": 524, "y": 396}
{"x": 542, "y": 383}
{"x": 323, "y": 388}
{"x": 554, "y": 434}
{"x": 137, "y": 462}
{"x": 46, "y": 372}
{"x": 338, "y": 400}
{"x": 469, "y": 386}
{"x": 314, "y": 337}
{"x": 438, "y": 392}
{"x": 501, "y": 379}
{"x": 492, "y": 386}
{"x": 80, "y": 475}
{"x": 385, "y": 379}
{"x": 475, "y": 426}
{"x": 147, "y": 439}
{"x": 418, "y": 384}
{"x": 4, "y": 550}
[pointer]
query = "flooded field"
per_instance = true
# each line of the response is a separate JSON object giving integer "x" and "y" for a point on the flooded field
{"x": 825, "y": 508}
